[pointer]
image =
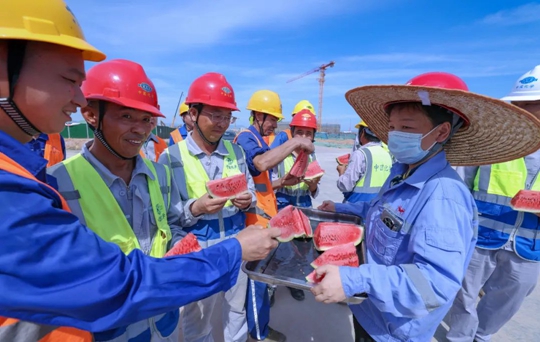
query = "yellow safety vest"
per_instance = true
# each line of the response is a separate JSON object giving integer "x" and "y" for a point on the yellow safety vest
{"x": 103, "y": 214}
{"x": 286, "y": 166}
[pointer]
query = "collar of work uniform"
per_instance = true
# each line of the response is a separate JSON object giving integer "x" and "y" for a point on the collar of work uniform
{"x": 257, "y": 134}
{"x": 22, "y": 155}
{"x": 423, "y": 172}
{"x": 107, "y": 176}
{"x": 195, "y": 150}
{"x": 153, "y": 137}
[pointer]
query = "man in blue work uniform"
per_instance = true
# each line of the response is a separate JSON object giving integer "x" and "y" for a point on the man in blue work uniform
{"x": 265, "y": 107}
{"x": 506, "y": 261}
{"x": 181, "y": 133}
{"x": 368, "y": 168}
{"x": 204, "y": 156}
{"x": 421, "y": 228}
{"x": 53, "y": 270}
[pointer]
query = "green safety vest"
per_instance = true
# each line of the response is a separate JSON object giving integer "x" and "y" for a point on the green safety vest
{"x": 104, "y": 216}
{"x": 286, "y": 166}
{"x": 381, "y": 163}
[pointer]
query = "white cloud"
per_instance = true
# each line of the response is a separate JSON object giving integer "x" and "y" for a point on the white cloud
{"x": 525, "y": 14}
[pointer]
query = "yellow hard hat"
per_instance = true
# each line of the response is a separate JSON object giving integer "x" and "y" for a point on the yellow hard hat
{"x": 266, "y": 101}
{"x": 304, "y": 104}
{"x": 49, "y": 21}
{"x": 360, "y": 124}
{"x": 184, "y": 108}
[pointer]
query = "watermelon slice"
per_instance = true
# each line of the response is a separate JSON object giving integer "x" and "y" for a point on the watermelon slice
{"x": 288, "y": 222}
{"x": 313, "y": 171}
{"x": 188, "y": 244}
{"x": 526, "y": 200}
{"x": 344, "y": 255}
{"x": 333, "y": 234}
{"x": 344, "y": 159}
{"x": 228, "y": 187}
{"x": 306, "y": 225}
{"x": 300, "y": 165}
{"x": 313, "y": 278}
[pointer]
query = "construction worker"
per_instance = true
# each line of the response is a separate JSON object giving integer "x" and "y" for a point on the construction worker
{"x": 368, "y": 168}
{"x": 137, "y": 200}
{"x": 201, "y": 157}
{"x": 54, "y": 271}
{"x": 181, "y": 133}
{"x": 357, "y": 144}
{"x": 421, "y": 228}
{"x": 303, "y": 124}
{"x": 52, "y": 147}
{"x": 265, "y": 108}
{"x": 285, "y": 135}
{"x": 505, "y": 263}
{"x": 154, "y": 145}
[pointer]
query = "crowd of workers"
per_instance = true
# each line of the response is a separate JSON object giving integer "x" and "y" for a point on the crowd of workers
{"x": 432, "y": 174}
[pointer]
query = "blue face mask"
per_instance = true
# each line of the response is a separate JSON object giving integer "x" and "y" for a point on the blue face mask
{"x": 407, "y": 147}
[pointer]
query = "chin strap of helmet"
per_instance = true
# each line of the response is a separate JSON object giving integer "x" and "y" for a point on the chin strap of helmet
{"x": 15, "y": 58}
{"x": 98, "y": 132}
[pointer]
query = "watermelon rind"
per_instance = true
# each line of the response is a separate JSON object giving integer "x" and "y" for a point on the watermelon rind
{"x": 314, "y": 164}
{"x": 216, "y": 182}
{"x": 344, "y": 228}
{"x": 344, "y": 159}
{"x": 531, "y": 199}
{"x": 284, "y": 221}
{"x": 312, "y": 278}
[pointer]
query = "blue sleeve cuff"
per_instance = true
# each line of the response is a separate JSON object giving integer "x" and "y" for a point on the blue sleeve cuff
{"x": 352, "y": 280}
{"x": 351, "y": 208}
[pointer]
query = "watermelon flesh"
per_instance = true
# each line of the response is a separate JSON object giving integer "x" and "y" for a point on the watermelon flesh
{"x": 313, "y": 278}
{"x": 188, "y": 244}
{"x": 308, "y": 232}
{"x": 344, "y": 159}
{"x": 228, "y": 187}
{"x": 287, "y": 221}
{"x": 313, "y": 171}
{"x": 300, "y": 165}
{"x": 526, "y": 200}
{"x": 333, "y": 234}
{"x": 344, "y": 255}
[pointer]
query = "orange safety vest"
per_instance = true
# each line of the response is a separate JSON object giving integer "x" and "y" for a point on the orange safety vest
{"x": 159, "y": 147}
{"x": 61, "y": 334}
{"x": 53, "y": 150}
{"x": 266, "y": 198}
{"x": 288, "y": 132}
{"x": 176, "y": 136}
{"x": 269, "y": 139}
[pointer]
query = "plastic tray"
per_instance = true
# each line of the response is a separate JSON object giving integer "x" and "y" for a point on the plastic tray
{"x": 289, "y": 263}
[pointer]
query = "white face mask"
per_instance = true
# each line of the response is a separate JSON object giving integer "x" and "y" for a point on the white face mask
{"x": 407, "y": 147}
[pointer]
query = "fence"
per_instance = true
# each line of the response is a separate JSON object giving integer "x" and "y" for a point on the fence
{"x": 82, "y": 131}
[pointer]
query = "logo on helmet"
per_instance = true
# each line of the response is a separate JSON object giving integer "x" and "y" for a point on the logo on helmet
{"x": 145, "y": 86}
{"x": 226, "y": 90}
{"x": 306, "y": 115}
{"x": 528, "y": 80}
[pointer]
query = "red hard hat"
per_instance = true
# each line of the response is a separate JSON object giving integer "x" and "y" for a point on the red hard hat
{"x": 438, "y": 80}
{"x": 304, "y": 118}
{"x": 212, "y": 89}
{"x": 122, "y": 82}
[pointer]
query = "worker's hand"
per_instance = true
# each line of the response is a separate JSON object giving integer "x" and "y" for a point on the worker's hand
{"x": 257, "y": 242}
{"x": 243, "y": 201}
{"x": 289, "y": 179}
{"x": 329, "y": 289}
{"x": 304, "y": 144}
{"x": 327, "y": 206}
{"x": 312, "y": 183}
{"x": 341, "y": 169}
{"x": 207, "y": 205}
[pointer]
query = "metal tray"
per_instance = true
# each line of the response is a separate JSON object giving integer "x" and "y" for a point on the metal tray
{"x": 289, "y": 263}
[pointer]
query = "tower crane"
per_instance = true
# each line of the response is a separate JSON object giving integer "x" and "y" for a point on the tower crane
{"x": 322, "y": 72}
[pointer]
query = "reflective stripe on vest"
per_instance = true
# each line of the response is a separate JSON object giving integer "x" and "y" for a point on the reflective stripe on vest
{"x": 378, "y": 165}
{"x": 494, "y": 187}
{"x": 20, "y": 331}
{"x": 266, "y": 199}
{"x": 176, "y": 136}
{"x": 53, "y": 150}
{"x": 107, "y": 220}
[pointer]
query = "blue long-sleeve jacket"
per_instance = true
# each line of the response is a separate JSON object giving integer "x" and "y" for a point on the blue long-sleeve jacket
{"x": 415, "y": 270}
{"x": 53, "y": 270}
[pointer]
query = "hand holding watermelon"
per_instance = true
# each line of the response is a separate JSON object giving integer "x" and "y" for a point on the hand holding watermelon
{"x": 289, "y": 180}
{"x": 207, "y": 205}
{"x": 341, "y": 169}
{"x": 329, "y": 289}
{"x": 242, "y": 201}
{"x": 257, "y": 242}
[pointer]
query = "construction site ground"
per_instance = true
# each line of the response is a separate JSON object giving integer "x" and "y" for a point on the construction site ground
{"x": 310, "y": 321}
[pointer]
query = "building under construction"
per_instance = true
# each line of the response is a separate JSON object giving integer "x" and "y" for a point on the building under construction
{"x": 328, "y": 128}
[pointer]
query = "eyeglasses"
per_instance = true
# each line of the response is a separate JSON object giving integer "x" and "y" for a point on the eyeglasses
{"x": 219, "y": 118}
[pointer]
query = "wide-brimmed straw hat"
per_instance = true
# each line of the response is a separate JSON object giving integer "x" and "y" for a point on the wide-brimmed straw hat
{"x": 493, "y": 131}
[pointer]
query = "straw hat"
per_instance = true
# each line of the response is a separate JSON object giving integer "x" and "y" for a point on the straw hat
{"x": 493, "y": 132}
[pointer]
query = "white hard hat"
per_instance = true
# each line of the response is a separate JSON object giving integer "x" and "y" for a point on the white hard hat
{"x": 527, "y": 87}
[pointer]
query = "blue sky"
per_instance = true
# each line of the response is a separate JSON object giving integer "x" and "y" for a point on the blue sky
{"x": 262, "y": 44}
